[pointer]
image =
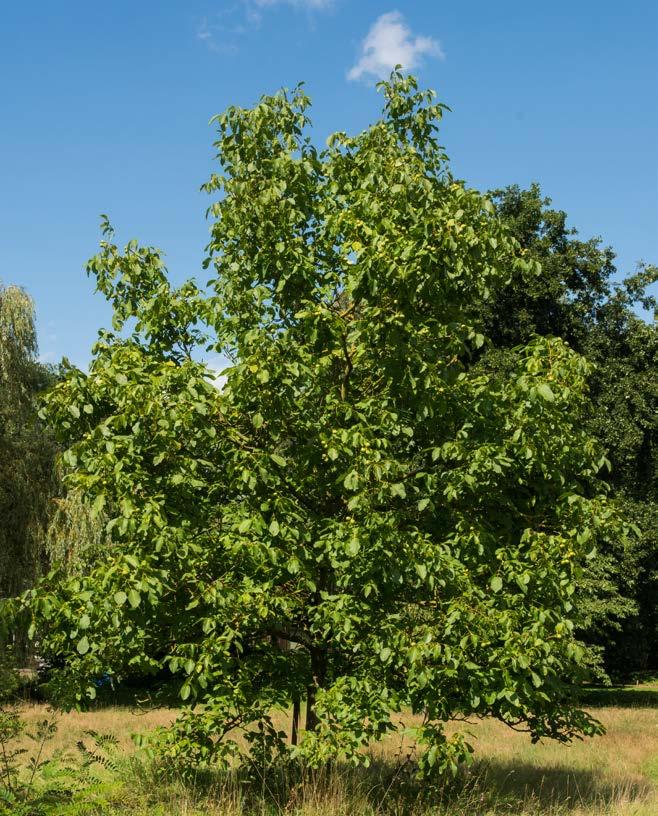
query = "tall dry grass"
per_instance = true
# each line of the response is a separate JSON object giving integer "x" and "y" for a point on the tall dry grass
{"x": 611, "y": 775}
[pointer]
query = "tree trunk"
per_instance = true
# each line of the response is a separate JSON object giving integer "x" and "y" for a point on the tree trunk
{"x": 295, "y": 720}
{"x": 319, "y": 676}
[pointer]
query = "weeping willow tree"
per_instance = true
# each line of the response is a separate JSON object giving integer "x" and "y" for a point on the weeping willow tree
{"x": 76, "y": 533}
{"x": 41, "y": 524}
{"x": 27, "y": 478}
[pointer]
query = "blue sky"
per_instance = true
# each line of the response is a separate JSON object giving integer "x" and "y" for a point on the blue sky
{"x": 104, "y": 108}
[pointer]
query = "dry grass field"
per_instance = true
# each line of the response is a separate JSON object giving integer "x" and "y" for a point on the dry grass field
{"x": 613, "y": 775}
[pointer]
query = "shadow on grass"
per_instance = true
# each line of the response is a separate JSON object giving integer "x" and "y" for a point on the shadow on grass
{"x": 620, "y": 696}
{"x": 388, "y": 788}
{"x": 518, "y": 785}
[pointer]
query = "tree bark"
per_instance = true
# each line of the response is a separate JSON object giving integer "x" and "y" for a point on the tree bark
{"x": 295, "y": 720}
{"x": 319, "y": 676}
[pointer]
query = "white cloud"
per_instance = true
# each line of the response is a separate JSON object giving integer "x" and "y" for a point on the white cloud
{"x": 216, "y": 367}
{"x": 219, "y": 381}
{"x": 389, "y": 43}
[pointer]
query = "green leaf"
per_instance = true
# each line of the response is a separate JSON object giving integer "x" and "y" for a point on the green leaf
{"x": 120, "y": 598}
{"x": 496, "y": 583}
{"x": 98, "y": 505}
{"x": 351, "y": 480}
{"x": 134, "y": 598}
{"x": 385, "y": 654}
{"x": 544, "y": 390}
{"x": 83, "y": 645}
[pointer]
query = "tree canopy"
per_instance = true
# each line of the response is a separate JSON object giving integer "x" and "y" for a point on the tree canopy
{"x": 362, "y": 516}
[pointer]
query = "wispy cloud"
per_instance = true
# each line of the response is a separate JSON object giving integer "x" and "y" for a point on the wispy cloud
{"x": 203, "y": 32}
{"x": 221, "y": 31}
{"x": 49, "y": 340}
{"x": 390, "y": 42}
{"x": 305, "y": 4}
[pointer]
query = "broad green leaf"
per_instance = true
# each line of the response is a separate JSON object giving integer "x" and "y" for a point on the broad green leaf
{"x": 545, "y": 391}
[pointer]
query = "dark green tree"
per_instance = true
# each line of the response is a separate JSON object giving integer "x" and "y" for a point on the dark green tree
{"x": 577, "y": 297}
{"x": 624, "y": 384}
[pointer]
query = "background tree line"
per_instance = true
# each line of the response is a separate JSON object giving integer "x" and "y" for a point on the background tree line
{"x": 577, "y": 297}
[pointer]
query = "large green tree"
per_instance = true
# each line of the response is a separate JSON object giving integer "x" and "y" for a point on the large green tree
{"x": 361, "y": 516}
{"x": 578, "y": 296}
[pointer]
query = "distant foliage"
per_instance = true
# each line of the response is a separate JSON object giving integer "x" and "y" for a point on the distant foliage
{"x": 579, "y": 297}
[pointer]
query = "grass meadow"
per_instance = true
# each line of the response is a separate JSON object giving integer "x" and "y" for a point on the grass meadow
{"x": 614, "y": 775}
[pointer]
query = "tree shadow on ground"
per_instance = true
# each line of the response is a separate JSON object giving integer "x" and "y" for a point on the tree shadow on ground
{"x": 522, "y": 785}
{"x": 620, "y": 696}
{"x": 390, "y": 788}
{"x": 493, "y": 787}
